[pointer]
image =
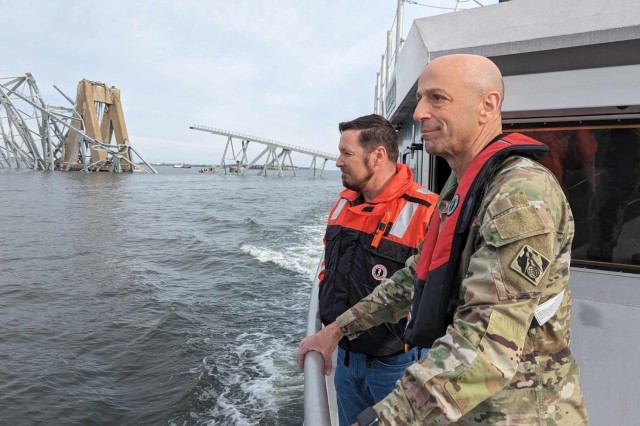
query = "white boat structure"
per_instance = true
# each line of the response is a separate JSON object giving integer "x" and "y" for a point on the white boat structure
{"x": 181, "y": 166}
{"x": 572, "y": 80}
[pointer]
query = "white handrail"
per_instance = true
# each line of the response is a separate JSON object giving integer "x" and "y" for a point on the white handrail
{"x": 317, "y": 411}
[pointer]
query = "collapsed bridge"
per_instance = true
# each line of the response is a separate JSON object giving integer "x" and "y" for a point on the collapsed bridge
{"x": 34, "y": 135}
{"x": 276, "y": 154}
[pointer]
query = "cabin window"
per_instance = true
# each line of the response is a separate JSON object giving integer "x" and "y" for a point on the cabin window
{"x": 598, "y": 167}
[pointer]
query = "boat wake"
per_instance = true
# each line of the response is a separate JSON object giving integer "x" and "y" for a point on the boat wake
{"x": 300, "y": 258}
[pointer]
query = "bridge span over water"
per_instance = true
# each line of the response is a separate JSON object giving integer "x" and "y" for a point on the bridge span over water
{"x": 275, "y": 154}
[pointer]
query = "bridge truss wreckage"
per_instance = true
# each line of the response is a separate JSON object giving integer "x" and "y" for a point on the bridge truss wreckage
{"x": 276, "y": 153}
{"x": 34, "y": 135}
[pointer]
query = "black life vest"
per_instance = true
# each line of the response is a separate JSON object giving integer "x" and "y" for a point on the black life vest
{"x": 444, "y": 243}
{"x": 367, "y": 242}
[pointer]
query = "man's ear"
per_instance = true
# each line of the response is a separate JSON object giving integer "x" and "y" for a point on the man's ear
{"x": 490, "y": 107}
{"x": 379, "y": 155}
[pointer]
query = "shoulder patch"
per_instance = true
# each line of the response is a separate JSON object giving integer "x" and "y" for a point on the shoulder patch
{"x": 530, "y": 264}
{"x": 453, "y": 204}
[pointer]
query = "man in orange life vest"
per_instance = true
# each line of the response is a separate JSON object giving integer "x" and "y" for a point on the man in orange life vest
{"x": 490, "y": 291}
{"x": 377, "y": 223}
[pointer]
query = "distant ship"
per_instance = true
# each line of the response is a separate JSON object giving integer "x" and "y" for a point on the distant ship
{"x": 181, "y": 166}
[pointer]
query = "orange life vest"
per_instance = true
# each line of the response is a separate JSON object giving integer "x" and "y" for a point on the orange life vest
{"x": 366, "y": 242}
{"x": 445, "y": 241}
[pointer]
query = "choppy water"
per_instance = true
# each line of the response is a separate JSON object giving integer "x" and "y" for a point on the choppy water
{"x": 176, "y": 298}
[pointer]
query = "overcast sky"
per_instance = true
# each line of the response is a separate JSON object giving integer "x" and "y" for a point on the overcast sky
{"x": 279, "y": 69}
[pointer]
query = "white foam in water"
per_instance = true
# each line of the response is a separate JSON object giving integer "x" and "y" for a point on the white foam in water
{"x": 269, "y": 374}
{"x": 266, "y": 354}
{"x": 258, "y": 373}
{"x": 302, "y": 260}
{"x": 229, "y": 411}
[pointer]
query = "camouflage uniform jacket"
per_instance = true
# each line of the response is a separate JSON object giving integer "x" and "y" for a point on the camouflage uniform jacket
{"x": 491, "y": 367}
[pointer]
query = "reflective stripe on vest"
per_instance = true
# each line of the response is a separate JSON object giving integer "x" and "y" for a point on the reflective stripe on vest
{"x": 404, "y": 219}
{"x": 338, "y": 208}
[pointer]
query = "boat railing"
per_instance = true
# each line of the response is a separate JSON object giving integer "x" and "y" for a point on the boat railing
{"x": 319, "y": 396}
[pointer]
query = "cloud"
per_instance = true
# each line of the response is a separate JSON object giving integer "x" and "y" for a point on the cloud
{"x": 280, "y": 69}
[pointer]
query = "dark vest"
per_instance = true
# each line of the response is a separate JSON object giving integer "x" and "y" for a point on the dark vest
{"x": 444, "y": 242}
{"x": 360, "y": 250}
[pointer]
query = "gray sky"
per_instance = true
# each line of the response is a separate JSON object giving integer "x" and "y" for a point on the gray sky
{"x": 279, "y": 69}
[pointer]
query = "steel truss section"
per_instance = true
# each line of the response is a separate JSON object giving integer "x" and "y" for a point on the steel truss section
{"x": 275, "y": 153}
{"x": 34, "y": 135}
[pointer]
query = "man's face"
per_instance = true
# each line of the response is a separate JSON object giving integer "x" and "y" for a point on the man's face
{"x": 447, "y": 110}
{"x": 354, "y": 161}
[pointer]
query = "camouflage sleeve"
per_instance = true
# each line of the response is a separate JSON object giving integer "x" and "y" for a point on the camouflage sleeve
{"x": 514, "y": 248}
{"x": 389, "y": 302}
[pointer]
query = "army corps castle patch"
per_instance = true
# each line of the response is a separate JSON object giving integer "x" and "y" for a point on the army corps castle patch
{"x": 530, "y": 264}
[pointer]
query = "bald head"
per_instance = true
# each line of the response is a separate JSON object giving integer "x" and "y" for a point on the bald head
{"x": 459, "y": 101}
{"x": 478, "y": 73}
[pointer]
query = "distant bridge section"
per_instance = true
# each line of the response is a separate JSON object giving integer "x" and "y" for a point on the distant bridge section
{"x": 275, "y": 154}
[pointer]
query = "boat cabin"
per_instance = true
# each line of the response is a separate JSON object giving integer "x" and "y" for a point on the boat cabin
{"x": 572, "y": 80}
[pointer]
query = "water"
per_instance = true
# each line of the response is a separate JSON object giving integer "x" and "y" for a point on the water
{"x": 174, "y": 299}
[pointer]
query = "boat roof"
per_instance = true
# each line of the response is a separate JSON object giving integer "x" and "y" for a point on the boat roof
{"x": 522, "y": 37}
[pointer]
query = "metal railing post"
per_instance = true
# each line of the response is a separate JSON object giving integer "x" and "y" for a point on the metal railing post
{"x": 316, "y": 398}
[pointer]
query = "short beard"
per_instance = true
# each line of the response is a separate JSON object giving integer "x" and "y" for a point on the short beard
{"x": 357, "y": 186}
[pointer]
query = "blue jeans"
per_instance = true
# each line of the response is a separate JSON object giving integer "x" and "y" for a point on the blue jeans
{"x": 359, "y": 386}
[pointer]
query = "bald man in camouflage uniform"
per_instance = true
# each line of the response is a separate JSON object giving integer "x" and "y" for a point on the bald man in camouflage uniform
{"x": 495, "y": 364}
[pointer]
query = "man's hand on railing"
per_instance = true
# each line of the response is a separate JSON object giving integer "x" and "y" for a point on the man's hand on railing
{"x": 324, "y": 341}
